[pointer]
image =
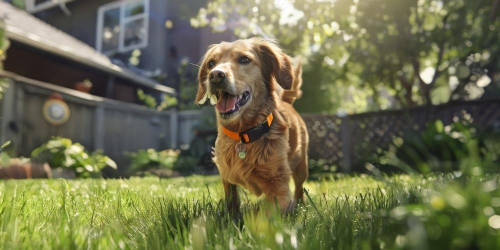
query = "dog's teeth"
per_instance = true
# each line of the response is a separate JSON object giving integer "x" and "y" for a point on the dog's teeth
{"x": 204, "y": 99}
{"x": 213, "y": 99}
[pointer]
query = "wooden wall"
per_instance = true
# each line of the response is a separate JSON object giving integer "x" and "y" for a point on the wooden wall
{"x": 97, "y": 123}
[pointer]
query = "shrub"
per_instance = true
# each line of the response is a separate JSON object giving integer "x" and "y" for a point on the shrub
{"x": 153, "y": 162}
{"x": 184, "y": 77}
{"x": 455, "y": 214}
{"x": 150, "y": 101}
{"x": 196, "y": 158}
{"x": 187, "y": 164}
{"x": 187, "y": 75}
{"x": 442, "y": 148}
{"x": 63, "y": 153}
{"x": 4, "y": 45}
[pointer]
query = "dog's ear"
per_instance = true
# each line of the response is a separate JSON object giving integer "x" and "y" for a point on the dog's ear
{"x": 275, "y": 63}
{"x": 201, "y": 95}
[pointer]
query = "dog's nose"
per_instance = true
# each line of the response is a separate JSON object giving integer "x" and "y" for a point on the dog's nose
{"x": 217, "y": 76}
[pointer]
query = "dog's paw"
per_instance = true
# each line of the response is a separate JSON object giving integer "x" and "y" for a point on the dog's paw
{"x": 290, "y": 210}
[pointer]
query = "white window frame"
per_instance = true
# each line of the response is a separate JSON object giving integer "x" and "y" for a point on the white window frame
{"x": 32, "y": 7}
{"x": 123, "y": 21}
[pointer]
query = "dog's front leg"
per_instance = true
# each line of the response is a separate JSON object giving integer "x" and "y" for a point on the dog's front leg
{"x": 278, "y": 191}
{"x": 232, "y": 198}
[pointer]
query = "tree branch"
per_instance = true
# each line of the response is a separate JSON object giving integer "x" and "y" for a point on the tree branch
{"x": 421, "y": 83}
{"x": 493, "y": 15}
{"x": 440, "y": 53}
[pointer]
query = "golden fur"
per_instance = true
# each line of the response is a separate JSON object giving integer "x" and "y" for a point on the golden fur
{"x": 280, "y": 154}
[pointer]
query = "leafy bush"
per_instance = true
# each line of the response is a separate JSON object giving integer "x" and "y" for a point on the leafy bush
{"x": 7, "y": 158}
{"x": 4, "y": 45}
{"x": 185, "y": 78}
{"x": 187, "y": 164}
{"x": 150, "y": 101}
{"x": 63, "y": 153}
{"x": 196, "y": 157}
{"x": 187, "y": 86}
{"x": 150, "y": 161}
{"x": 445, "y": 149}
{"x": 458, "y": 213}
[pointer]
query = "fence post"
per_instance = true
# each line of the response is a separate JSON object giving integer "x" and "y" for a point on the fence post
{"x": 8, "y": 111}
{"x": 174, "y": 123}
{"x": 345, "y": 136}
{"x": 19, "y": 119}
{"x": 99, "y": 127}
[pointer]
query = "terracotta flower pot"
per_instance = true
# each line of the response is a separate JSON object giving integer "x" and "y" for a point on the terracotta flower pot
{"x": 27, "y": 170}
{"x": 84, "y": 86}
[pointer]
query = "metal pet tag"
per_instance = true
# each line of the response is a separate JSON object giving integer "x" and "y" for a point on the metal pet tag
{"x": 240, "y": 150}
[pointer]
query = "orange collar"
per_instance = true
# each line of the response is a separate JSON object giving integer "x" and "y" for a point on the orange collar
{"x": 252, "y": 134}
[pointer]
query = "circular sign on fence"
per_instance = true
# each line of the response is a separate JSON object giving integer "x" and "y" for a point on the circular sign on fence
{"x": 56, "y": 112}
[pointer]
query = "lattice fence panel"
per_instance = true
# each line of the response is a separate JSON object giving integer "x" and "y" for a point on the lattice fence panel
{"x": 324, "y": 138}
{"x": 359, "y": 136}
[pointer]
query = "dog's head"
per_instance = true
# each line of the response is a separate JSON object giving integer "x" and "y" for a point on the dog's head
{"x": 242, "y": 74}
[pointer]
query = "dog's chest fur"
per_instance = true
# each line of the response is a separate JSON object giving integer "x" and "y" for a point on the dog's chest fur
{"x": 264, "y": 161}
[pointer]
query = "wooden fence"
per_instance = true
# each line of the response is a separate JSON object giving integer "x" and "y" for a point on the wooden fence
{"x": 97, "y": 123}
{"x": 117, "y": 127}
{"x": 347, "y": 141}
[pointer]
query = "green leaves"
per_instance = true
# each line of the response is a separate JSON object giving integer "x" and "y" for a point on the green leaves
{"x": 62, "y": 152}
{"x": 6, "y": 144}
{"x": 368, "y": 55}
{"x": 150, "y": 101}
{"x": 4, "y": 45}
{"x": 144, "y": 160}
{"x": 110, "y": 163}
{"x": 456, "y": 147}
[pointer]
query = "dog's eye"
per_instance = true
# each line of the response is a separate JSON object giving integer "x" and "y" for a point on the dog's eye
{"x": 244, "y": 60}
{"x": 211, "y": 64}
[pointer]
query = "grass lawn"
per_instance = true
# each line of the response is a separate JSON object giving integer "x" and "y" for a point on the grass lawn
{"x": 361, "y": 212}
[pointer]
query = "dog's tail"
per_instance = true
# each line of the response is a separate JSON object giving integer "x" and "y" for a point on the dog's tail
{"x": 295, "y": 92}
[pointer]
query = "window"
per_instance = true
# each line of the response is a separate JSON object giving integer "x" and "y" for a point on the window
{"x": 122, "y": 26}
{"x": 34, "y": 6}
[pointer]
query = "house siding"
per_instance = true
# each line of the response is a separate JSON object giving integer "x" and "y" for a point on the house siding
{"x": 45, "y": 67}
{"x": 166, "y": 47}
{"x": 81, "y": 23}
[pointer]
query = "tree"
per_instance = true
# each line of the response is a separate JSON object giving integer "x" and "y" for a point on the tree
{"x": 376, "y": 54}
{"x": 4, "y": 45}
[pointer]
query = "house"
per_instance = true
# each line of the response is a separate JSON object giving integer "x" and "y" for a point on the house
{"x": 44, "y": 67}
{"x": 41, "y": 52}
{"x": 149, "y": 36}
{"x": 57, "y": 45}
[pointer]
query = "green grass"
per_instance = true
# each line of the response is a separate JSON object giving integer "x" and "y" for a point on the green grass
{"x": 361, "y": 212}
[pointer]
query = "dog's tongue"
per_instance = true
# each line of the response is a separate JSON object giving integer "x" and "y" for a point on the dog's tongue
{"x": 226, "y": 103}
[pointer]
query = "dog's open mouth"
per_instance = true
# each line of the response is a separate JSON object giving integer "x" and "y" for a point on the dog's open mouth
{"x": 228, "y": 104}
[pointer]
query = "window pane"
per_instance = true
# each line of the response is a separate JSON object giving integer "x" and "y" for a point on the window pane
{"x": 111, "y": 30}
{"x": 135, "y": 33}
{"x": 134, "y": 8}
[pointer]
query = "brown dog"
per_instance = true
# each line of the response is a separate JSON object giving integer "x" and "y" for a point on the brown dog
{"x": 252, "y": 84}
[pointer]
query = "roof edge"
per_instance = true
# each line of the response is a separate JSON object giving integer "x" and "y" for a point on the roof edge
{"x": 114, "y": 69}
